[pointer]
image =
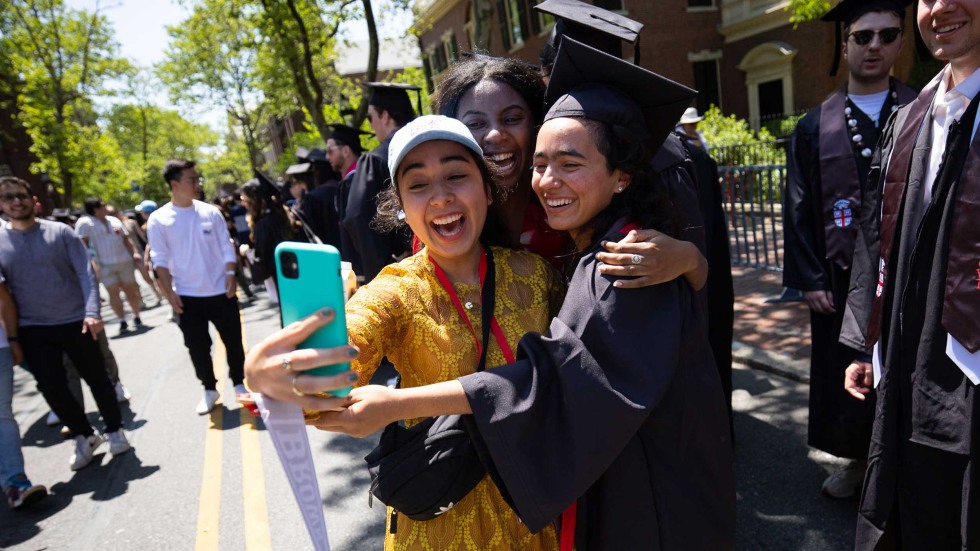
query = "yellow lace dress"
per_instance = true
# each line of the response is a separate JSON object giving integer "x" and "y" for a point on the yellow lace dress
{"x": 406, "y": 315}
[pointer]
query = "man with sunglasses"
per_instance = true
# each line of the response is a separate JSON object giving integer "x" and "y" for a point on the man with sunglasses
{"x": 830, "y": 155}
{"x": 53, "y": 284}
{"x": 915, "y": 302}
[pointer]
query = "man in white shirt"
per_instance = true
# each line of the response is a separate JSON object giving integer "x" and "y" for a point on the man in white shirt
{"x": 194, "y": 258}
{"x": 115, "y": 257}
{"x": 915, "y": 302}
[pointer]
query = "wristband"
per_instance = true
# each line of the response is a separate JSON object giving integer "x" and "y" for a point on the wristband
{"x": 230, "y": 272}
{"x": 12, "y": 338}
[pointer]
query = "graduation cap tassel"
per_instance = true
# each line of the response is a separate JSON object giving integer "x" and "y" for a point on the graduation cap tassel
{"x": 838, "y": 41}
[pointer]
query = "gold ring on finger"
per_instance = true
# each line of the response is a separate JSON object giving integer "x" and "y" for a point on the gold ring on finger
{"x": 296, "y": 391}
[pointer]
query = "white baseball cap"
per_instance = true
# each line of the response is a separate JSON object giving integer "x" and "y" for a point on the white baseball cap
{"x": 425, "y": 129}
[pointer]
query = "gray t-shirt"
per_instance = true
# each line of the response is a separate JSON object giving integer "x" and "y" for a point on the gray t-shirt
{"x": 48, "y": 273}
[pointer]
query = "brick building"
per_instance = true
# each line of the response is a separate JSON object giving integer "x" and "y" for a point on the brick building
{"x": 742, "y": 55}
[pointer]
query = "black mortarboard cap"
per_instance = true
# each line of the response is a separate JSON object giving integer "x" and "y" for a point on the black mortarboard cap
{"x": 268, "y": 188}
{"x": 349, "y": 136}
{"x": 391, "y": 95}
{"x": 587, "y": 83}
{"x": 600, "y": 28}
{"x": 848, "y": 11}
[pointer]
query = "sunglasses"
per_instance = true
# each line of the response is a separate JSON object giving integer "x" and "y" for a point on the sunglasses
{"x": 8, "y": 197}
{"x": 864, "y": 37}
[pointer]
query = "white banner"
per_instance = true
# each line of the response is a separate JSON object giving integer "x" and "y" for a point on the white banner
{"x": 285, "y": 424}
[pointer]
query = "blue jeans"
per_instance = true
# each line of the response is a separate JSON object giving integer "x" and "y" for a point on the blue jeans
{"x": 11, "y": 458}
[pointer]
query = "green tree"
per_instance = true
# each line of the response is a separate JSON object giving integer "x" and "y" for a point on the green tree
{"x": 147, "y": 136}
{"x": 298, "y": 59}
{"x": 63, "y": 56}
{"x": 802, "y": 11}
{"x": 212, "y": 59}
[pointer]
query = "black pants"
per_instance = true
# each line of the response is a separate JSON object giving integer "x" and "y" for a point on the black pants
{"x": 223, "y": 313}
{"x": 44, "y": 346}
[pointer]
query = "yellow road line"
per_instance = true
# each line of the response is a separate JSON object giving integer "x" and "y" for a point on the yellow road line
{"x": 209, "y": 508}
{"x": 256, "y": 518}
{"x": 257, "y": 535}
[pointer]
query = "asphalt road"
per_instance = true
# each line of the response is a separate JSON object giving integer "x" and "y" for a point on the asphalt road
{"x": 214, "y": 482}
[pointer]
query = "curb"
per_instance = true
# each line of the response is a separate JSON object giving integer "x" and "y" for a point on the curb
{"x": 771, "y": 362}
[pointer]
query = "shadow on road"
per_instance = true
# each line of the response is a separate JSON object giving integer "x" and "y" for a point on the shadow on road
{"x": 106, "y": 478}
{"x": 778, "y": 482}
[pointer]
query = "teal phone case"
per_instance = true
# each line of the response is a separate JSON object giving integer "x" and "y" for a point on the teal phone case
{"x": 318, "y": 284}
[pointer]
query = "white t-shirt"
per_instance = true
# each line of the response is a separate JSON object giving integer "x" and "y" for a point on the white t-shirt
{"x": 194, "y": 245}
{"x": 871, "y": 104}
{"x": 105, "y": 238}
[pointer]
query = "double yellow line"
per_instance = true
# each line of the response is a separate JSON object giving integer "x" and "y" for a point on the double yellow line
{"x": 256, "y": 518}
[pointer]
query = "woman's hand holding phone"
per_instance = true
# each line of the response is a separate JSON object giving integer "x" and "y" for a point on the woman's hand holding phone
{"x": 276, "y": 368}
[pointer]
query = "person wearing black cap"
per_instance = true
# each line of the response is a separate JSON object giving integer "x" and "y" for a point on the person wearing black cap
{"x": 615, "y": 421}
{"x": 270, "y": 225}
{"x": 702, "y": 217}
{"x": 830, "y": 155}
{"x": 324, "y": 216}
{"x": 915, "y": 301}
{"x": 598, "y": 27}
{"x": 389, "y": 108}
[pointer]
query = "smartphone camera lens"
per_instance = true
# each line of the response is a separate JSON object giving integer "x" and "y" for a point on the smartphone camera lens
{"x": 290, "y": 264}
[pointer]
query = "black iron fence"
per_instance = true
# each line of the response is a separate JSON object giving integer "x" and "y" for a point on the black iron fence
{"x": 753, "y": 179}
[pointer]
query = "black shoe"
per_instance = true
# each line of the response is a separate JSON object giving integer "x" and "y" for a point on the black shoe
{"x": 137, "y": 322}
{"x": 123, "y": 327}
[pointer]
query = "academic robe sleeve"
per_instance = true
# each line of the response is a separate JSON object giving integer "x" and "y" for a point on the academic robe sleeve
{"x": 373, "y": 247}
{"x": 552, "y": 423}
{"x": 867, "y": 250}
{"x": 802, "y": 229}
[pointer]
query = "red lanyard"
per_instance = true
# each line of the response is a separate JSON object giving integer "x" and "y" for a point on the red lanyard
{"x": 494, "y": 326}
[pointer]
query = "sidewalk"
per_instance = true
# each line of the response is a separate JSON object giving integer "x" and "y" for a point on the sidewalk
{"x": 775, "y": 336}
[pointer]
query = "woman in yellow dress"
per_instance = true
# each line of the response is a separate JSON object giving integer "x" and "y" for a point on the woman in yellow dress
{"x": 408, "y": 313}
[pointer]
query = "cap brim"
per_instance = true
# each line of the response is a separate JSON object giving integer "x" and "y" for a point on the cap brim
{"x": 266, "y": 184}
{"x": 661, "y": 100}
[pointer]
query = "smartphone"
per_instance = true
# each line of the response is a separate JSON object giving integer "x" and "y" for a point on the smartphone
{"x": 310, "y": 279}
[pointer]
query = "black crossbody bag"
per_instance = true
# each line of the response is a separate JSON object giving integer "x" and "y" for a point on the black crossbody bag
{"x": 425, "y": 470}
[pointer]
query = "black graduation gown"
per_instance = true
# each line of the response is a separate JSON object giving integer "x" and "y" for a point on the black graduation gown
{"x": 720, "y": 288}
{"x": 620, "y": 408}
{"x": 347, "y": 250}
{"x": 268, "y": 235}
{"x": 375, "y": 249}
{"x": 838, "y": 424}
{"x": 920, "y": 491}
{"x": 320, "y": 214}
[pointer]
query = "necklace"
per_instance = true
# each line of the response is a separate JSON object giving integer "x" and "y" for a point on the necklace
{"x": 852, "y": 124}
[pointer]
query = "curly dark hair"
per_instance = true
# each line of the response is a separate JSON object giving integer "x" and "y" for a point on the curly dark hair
{"x": 646, "y": 200}
{"x": 477, "y": 67}
{"x": 390, "y": 217}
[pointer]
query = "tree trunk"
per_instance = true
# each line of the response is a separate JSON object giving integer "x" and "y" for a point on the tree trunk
{"x": 372, "y": 68}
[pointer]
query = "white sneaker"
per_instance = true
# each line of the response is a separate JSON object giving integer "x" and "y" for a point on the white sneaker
{"x": 117, "y": 442}
{"x": 85, "y": 447}
{"x": 52, "y": 420}
{"x": 206, "y": 404}
{"x": 122, "y": 393}
{"x": 846, "y": 481}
